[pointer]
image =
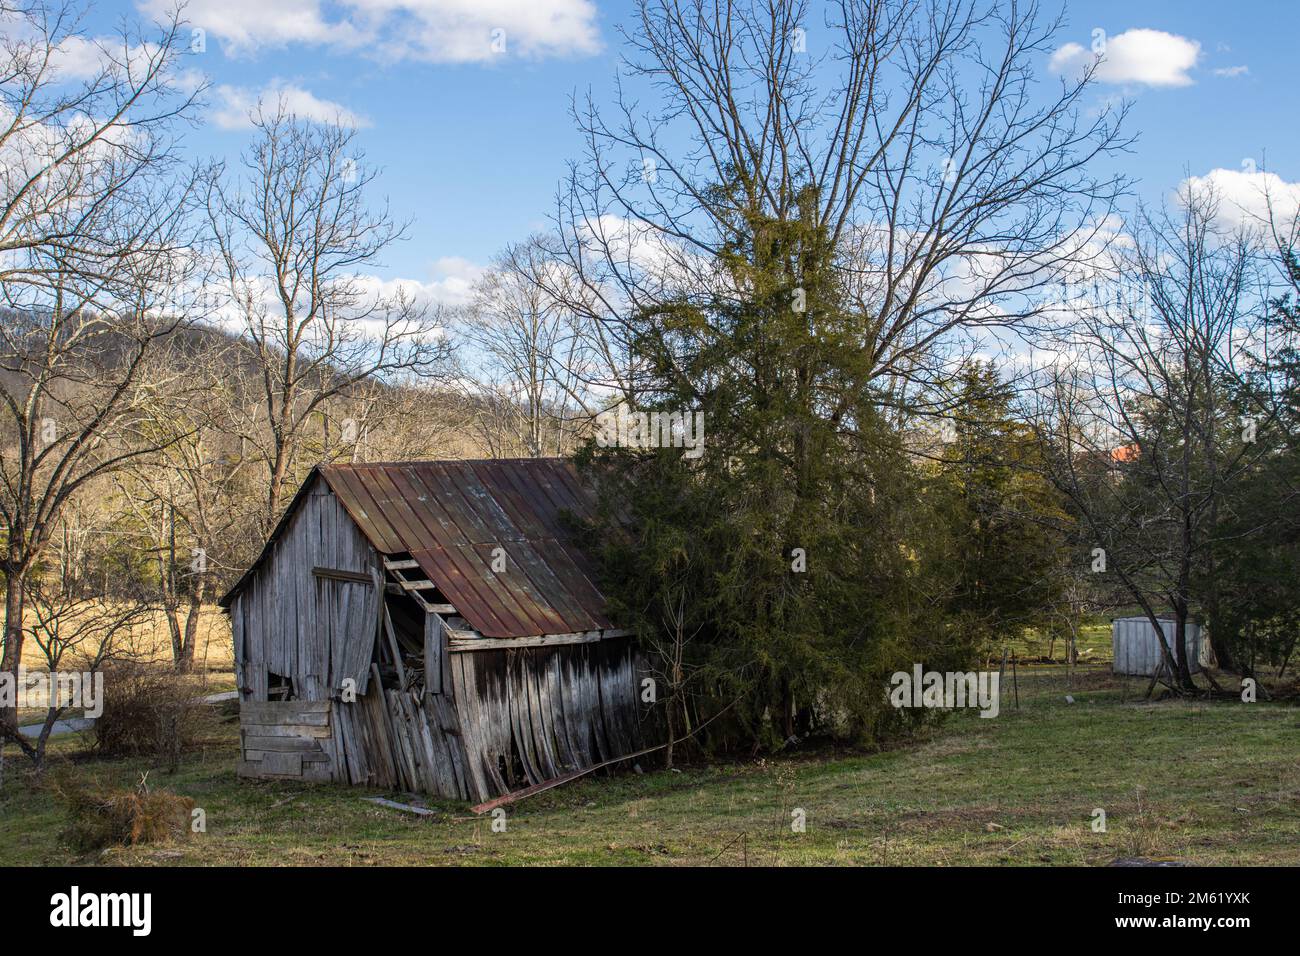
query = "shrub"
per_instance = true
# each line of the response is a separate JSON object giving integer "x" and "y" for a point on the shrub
{"x": 149, "y": 710}
{"x": 98, "y": 818}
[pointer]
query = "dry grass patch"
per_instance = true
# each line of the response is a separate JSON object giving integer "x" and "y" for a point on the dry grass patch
{"x": 101, "y": 818}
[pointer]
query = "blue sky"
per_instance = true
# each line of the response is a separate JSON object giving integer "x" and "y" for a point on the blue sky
{"x": 472, "y": 139}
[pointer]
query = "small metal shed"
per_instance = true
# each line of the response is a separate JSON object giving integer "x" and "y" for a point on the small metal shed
{"x": 1137, "y": 649}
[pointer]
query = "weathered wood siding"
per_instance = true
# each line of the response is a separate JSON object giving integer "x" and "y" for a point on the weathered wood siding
{"x": 548, "y": 711}
{"x": 316, "y": 630}
{"x": 559, "y": 709}
{"x": 554, "y": 710}
{"x": 287, "y": 739}
{"x": 437, "y": 674}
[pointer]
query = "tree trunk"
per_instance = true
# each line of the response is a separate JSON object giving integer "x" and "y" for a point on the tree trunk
{"x": 672, "y": 735}
{"x": 174, "y": 628}
{"x": 787, "y": 711}
{"x": 185, "y": 663}
{"x": 1180, "y": 651}
{"x": 1222, "y": 649}
{"x": 37, "y": 752}
{"x": 275, "y": 488}
{"x": 167, "y": 582}
{"x": 15, "y": 578}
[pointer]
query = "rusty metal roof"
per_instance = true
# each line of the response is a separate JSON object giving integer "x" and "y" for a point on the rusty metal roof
{"x": 451, "y": 516}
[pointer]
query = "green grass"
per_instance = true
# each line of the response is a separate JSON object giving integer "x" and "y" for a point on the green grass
{"x": 1210, "y": 783}
{"x": 1094, "y": 645}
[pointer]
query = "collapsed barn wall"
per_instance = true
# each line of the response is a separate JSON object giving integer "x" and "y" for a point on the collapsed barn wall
{"x": 531, "y": 714}
{"x": 515, "y": 717}
{"x": 510, "y": 718}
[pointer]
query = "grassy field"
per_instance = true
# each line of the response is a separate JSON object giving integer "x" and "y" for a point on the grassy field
{"x": 1209, "y": 783}
{"x": 1094, "y": 645}
{"x": 151, "y": 640}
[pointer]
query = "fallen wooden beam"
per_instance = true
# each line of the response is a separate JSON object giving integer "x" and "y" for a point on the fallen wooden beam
{"x": 548, "y": 784}
{"x": 396, "y": 650}
{"x": 404, "y": 807}
{"x": 536, "y": 788}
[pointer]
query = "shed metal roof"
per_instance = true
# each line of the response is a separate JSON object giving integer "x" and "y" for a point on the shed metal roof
{"x": 452, "y": 516}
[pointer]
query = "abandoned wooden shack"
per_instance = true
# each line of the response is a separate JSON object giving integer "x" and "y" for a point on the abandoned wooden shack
{"x": 431, "y": 626}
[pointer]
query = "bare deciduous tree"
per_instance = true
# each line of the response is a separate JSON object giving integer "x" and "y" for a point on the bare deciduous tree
{"x": 529, "y": 354}
{"x": 948, "y": 182}
{"x": 1136, "y": 416}
{"x": 293, "y": 236}
{"x": 73, "y": 631}
{"x": 192, "y": 499}
{"x": 96, "y": 250}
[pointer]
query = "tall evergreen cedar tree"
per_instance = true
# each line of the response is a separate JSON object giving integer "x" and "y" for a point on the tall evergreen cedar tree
{"x": 1005, "y": 525}
{"x": 779, "y": 579}
{"x": 1252, "y": 575}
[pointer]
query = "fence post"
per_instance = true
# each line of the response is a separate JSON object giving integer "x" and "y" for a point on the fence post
{"x": 1001, "y": 672}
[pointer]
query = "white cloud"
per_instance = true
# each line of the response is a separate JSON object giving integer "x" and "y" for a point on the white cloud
{"x": 237, "y": 102}
{"x": 82, "y": 59}
{"x": 467, "y": 31}
{"x": 1246, "y": 197}
{"x": 78, "y": 58}
{"x": 454, "y": 279}
{"x": 439, "y": 31}
{"x": 1231, "y": 72}
{"x": 1145, "y": 57}
{"x": 245, "y": 26}
{"x": 451, "y": 285}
